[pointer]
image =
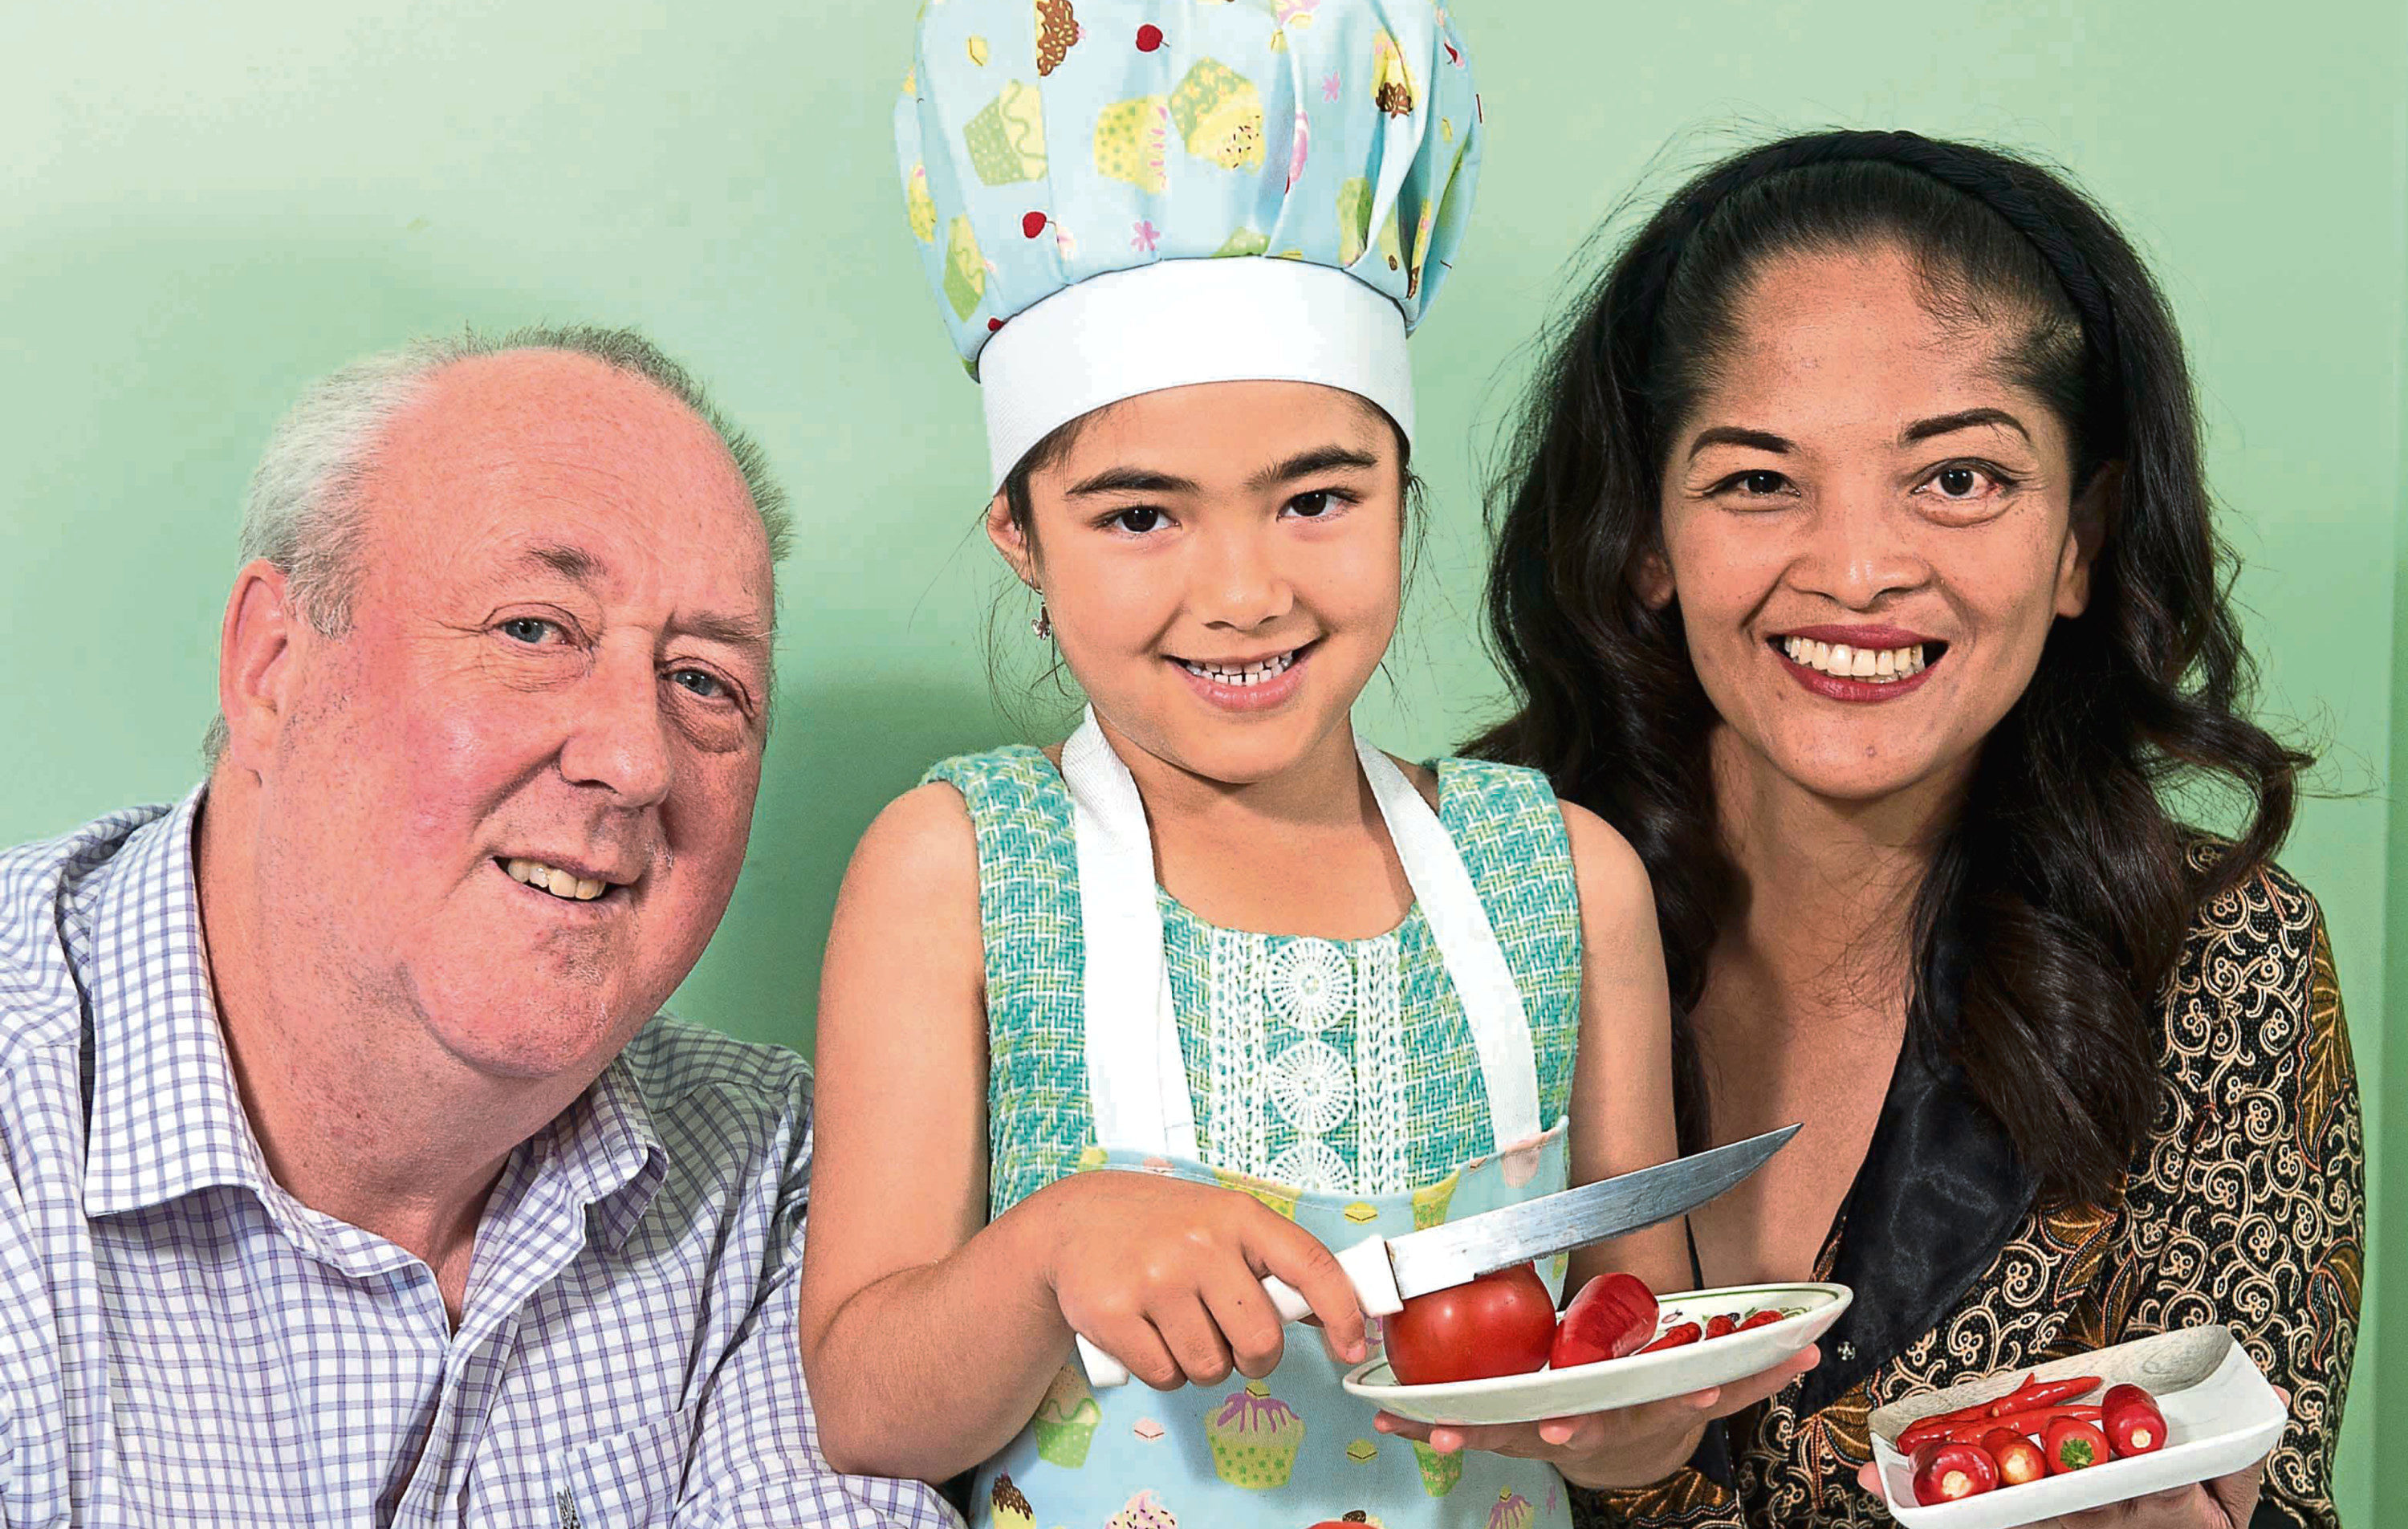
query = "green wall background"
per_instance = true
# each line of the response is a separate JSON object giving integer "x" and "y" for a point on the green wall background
{"x": 204, "y": 207}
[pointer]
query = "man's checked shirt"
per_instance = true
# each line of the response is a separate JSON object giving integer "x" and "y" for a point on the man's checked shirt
{"x": 183, "y": 1342}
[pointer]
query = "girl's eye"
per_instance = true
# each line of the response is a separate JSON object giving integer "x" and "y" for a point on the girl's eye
{"x": 701, "y": 681}
{"x": 1137, "y": 520}
{"x": 1311, "y": 507}
{"x": 529, "y": 629}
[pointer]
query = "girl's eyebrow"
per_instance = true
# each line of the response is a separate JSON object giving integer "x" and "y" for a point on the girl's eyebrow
{"x": 1320, "y": 459}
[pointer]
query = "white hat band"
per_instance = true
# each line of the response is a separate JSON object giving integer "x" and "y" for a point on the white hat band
{"x": 1177, "y": 322}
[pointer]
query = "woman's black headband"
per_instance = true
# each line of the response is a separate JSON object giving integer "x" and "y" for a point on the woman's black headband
{"x": 1984, "y": 178}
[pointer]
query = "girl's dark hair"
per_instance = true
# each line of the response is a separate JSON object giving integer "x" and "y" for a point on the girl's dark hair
{"x": 2060, "y": 893}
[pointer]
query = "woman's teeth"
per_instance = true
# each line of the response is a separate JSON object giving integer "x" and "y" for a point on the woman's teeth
{"x": 1251, "y": 674}
{"x": 560, "y": 883}
{"x": 1881, "y": 666}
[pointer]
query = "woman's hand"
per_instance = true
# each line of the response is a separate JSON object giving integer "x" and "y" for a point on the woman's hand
{"x": 1631, "y": 1446}
{"x": 1166, "y": 1276}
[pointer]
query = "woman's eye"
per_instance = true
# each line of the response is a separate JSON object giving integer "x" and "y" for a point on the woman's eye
{"x": 1963, "y": 482}
{"x": 1140, "y": 520}
{"x": 1761, "y": 484}
{"x": 701, "y": 681}
{"x": 528, "y": 629}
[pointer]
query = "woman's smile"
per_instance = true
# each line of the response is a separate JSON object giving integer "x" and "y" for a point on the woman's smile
{"x": 1857, "y": 664}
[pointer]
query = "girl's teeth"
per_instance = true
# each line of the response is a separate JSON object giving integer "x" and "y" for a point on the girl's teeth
{"x": 1882, "y": 667}
{"x": 1251, "y": 674}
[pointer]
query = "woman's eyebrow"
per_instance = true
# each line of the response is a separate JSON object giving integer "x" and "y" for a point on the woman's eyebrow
{"x": 1731, "y": 435}
{"x": 1923, "y": 430}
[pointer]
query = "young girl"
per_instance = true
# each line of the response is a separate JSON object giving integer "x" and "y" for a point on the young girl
{"x": 1304, "y": 993}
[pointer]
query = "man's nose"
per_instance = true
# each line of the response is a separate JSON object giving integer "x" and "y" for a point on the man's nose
{"x": 1239, "y": 581}
{"x": 1860, "y": 548}
{"x": 618, "y": 739}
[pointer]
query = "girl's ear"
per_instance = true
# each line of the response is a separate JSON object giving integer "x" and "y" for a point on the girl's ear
{"x": 1009, "y": 539}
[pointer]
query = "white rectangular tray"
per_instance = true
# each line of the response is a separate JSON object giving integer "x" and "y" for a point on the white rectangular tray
{"x": 2221, "y": 1417}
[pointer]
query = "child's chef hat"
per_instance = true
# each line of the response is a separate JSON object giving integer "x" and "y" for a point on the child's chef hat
{"x": 1116, "y": 196}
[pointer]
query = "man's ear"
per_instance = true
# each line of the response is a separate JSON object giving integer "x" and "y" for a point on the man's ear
{"x": 2098, "y": 506}
{"x": 1009, "y": 539}
{"x": 255, "y": 667}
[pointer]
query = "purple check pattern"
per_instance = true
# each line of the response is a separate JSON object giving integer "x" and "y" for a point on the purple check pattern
{"x": 183, "y": 1342}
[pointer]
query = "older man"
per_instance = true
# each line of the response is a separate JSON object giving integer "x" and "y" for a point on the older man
{"x": 349, "y": 1177}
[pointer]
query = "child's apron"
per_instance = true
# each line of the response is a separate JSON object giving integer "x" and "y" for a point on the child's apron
{"x": 1294, "y": 1449}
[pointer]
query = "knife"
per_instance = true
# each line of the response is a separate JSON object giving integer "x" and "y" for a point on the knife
{"x": 1386, "y": 1272}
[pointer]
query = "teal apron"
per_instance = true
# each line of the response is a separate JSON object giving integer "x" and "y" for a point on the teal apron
{"x": 1294, "y": 1449}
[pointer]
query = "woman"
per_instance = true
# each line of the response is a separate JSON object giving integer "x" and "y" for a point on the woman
{"x": 1856, "y": 563}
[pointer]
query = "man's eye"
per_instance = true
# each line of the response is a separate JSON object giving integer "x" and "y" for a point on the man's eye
{"x": 528, "y": 629}
{"x": 701, "y": 681}
{"x": 1140, "y": 520}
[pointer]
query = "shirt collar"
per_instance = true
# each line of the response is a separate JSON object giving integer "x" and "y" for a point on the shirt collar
{"x": 167, "y": 1119}
{"x": 166, "y": 1116}
{"x": 607, "y": 1153}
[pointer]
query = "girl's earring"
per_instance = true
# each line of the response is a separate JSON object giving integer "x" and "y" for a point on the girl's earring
{"x": 1041, "y": 624}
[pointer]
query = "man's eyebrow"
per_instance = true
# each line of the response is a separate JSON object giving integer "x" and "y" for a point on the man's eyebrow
{"x": 1922, "y": 430}
{"x": 1731, "y": 435}
{"x": 1320, "y": 459}
{"x": 573, "y": 563}
{"x": 735, "y": 630}
{"x": 1131, "y": 481}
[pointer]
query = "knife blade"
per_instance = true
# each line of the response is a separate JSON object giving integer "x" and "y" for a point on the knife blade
{"x": 1386, "y": 1272}
{"x": 1461, "y": 1251}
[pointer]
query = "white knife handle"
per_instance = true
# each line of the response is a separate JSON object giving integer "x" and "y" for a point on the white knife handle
{"x": 1366, "y": 1269}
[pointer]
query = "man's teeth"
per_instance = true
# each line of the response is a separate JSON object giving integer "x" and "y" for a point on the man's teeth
{"x": 560, "y": 883}
{"x": 1881, "y": 666}
{"x": 1252, "y": 674}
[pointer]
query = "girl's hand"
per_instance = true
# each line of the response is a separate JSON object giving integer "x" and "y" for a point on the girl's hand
{"x": 1632, "y": 1447}
{"x": 1166, "y": 1276}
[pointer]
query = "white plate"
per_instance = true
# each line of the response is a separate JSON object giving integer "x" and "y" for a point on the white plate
{"x": 1612, "y": 1383}
{"x": 2221, "y": 1417}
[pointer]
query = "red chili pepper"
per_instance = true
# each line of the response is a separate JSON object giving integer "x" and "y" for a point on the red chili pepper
{"x": 2133, "y": 1423}
{"x": 1761, "y": 1319}
{"x": 2019, "y": 1459}
{"x": 1722, "y": 1326}
{"x": 1943, "y": 1473}
{"x": 2033, "y": 1422}
{"x": 2074, "y": 1445}
{"x": 2050, "y": 1393}
{"x": 1688, "y": 1332}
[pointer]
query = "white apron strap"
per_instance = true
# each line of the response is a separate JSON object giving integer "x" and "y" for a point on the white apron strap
{"x": 1466, "y": 942}
{"x": 1136, "y": 1081}
{"x": 1137, "y": 1084}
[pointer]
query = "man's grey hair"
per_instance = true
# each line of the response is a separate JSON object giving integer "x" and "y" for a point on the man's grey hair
{"x": 303, "y": 512}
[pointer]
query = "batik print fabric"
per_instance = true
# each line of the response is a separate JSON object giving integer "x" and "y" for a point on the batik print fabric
{"x": 2245, "y": 1207}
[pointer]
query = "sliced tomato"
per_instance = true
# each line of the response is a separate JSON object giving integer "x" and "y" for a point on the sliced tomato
{"x": 1501, "y": 1323}
{"x": 1613, "y": 1315}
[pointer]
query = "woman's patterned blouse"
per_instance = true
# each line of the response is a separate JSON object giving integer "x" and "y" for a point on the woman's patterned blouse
{"x": 2247, "y": 1206}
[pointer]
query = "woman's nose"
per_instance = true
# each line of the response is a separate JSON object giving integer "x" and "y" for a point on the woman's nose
{"x": 1859, "y": 550}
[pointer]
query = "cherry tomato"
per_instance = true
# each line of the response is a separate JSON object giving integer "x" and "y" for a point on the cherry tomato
{"x": 1501, "y": 1323}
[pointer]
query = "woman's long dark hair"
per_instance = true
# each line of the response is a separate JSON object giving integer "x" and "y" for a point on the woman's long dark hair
{"x": 2059, "y": 895}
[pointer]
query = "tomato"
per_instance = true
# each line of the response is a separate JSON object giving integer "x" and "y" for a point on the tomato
{"x": 1611, "y": 1316}
{"x": 1501, "y": 1323}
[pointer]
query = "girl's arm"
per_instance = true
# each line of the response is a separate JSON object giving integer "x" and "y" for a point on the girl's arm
{"x": 929, "y": 1334}
{"x": 1622, "y": 1076}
